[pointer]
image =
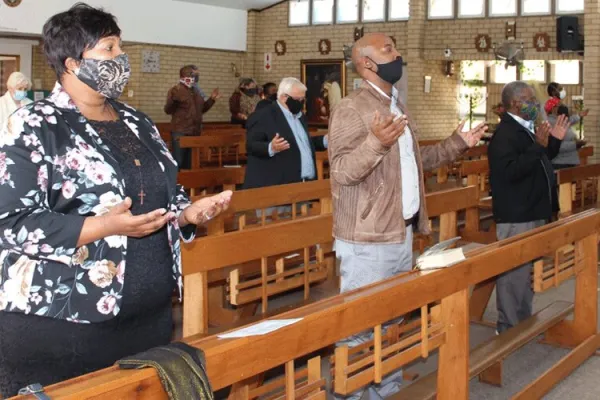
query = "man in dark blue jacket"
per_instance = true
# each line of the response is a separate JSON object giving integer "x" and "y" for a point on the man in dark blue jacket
{"x": 523, "y": 189}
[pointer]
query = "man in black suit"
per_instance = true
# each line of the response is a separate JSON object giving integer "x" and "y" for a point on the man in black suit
{"x": 523, "y": 189}
{"x": 280, "y": 149}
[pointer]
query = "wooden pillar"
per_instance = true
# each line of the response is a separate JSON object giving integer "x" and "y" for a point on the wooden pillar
{"x": 453, "y": 370}
{"x": 565, "y": 198}
{"x": 195, "y": 304}
{"x": 571, "y": 333}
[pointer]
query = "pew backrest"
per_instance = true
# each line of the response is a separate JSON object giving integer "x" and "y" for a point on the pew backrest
{"x": 251, "y": 200}
{"x": 209, "y": 180}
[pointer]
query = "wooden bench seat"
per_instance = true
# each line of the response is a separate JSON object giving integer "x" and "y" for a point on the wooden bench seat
{"x": 485, "y": 360}
{"x": 489, "y": 355}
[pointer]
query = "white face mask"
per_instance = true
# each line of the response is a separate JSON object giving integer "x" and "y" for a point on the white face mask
{"x": 563, "y": 94}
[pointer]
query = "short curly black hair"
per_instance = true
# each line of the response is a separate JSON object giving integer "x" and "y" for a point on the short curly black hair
{"x": 70, "y": 33}
{"x": 553, "y": 89}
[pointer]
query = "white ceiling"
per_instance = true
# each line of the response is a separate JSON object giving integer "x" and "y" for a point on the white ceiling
{"x": 239, "y": 4}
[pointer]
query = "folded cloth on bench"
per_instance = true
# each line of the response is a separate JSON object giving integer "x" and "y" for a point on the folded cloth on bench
{"x": 180, "y": 368}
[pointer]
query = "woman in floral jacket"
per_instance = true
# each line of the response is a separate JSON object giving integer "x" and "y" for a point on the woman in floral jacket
{"x": 90, "y": 217}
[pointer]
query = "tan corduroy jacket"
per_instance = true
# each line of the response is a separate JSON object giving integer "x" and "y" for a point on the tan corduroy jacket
{"x": 366, "y": 181}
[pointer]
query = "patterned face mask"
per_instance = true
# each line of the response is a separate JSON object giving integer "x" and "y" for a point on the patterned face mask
{"x": 530, "y": 110}
{"x": 188, "y": 81}
{"x": 107, "y": 77}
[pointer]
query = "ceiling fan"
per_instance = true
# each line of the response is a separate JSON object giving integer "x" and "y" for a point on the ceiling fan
{"x": 510, "y": 52}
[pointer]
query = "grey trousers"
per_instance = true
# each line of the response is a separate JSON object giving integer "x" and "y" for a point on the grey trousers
{"x": 514, "y": 294}
{"x": 361, "y": 265}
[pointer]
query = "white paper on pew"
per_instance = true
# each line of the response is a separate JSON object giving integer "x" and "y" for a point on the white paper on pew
{"x": 232, "y": 166}
{"x": 262, "y": 328}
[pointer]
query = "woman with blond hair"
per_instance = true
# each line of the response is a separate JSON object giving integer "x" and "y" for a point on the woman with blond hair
{"x": 16, "y": 95}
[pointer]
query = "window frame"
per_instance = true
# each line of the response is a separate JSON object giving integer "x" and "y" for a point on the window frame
{"x": 312, "y": 14}
{"x": 492, "y": 74}
{"x": 309, "y": 21}
{"x": 546, "y": 72}
{"x": 335, "y": 11}
{"x": 550, "y": 10}
{"x": 558, "y": 12}
{"x": 362, "y": 12}
{"x": 389, "y": 11}
{"x": 453, "y": 16}
{"x": 489, "y": 11}
{"x": 457, "y": 4}
{"x": 387, "y": 6}
{"x": 551, "y": 77}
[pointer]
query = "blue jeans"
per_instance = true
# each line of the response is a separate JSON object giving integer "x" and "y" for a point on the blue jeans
{"x": 361, "y": 265}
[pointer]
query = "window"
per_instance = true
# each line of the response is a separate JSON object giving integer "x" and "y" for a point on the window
{"x": 565, "y": 72}
{"x": 569, "y": 6}
{"x": 503, "y": 8}
{"x": 373, "y": 10}
{"x": 299, "y": 11}
{"x": 441, "y": 9}
{"x": 399, "y": 10}
{"x": 347, "y": 11}
{"x": 472, "y": 70}
{"x": 535, "y": 7}
{"x": 500, "y": 74}
{"x": 533, "y": 71}
{"x": 322, "y": 12}
{"x": 472, "y": 105}
{"x": 471, "y": 8}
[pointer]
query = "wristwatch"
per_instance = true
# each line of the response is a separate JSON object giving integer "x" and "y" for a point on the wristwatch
{"x": 36, "y": 390}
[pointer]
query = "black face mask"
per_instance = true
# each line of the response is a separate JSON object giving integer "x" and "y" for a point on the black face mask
{"x": 272, "y": 97}
{"x": 295, "y": 106}
{"x": 390, "y": 72}
{"x": 250, "y": 92}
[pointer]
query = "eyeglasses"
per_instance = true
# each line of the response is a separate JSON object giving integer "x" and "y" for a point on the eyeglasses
{"x": 296, "y": 98}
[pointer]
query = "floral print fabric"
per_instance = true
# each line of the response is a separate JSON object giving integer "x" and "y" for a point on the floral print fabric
{"x": 55, "y": 171}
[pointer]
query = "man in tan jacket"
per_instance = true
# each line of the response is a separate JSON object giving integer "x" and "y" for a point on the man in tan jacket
{"x": 376, "y": 177}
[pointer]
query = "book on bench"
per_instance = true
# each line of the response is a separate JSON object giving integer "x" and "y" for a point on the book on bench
{"x": 440, "y": 256}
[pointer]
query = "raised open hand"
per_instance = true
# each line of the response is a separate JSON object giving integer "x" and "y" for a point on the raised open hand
{"x": 387, "y": 129}
{"x": 542, "y": 133}
{"x": 473, "y": 136}
{"x": 205, "y": 209}
{"x": 560, "y": 127}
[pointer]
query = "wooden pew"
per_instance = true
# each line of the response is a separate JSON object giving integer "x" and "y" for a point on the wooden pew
{"x": 266, "y": 244}
{"x": 453, "y": 169}
{"x": 585, "y": 153}
{"x": 242, "y": 290}
{"x": 578, "y": 188}
{"x": 231, "y": 361}
{"x": 248, "y": 201}
{"x": 322, "y": 161}
{"x": 228, "y": 286}
{"x": 215, "y": 150}
{"x": 211, "y": 180}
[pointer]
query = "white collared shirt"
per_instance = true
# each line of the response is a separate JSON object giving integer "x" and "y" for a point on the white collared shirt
{"x": 525, "y": 124}
{"x": 408, "y": 162}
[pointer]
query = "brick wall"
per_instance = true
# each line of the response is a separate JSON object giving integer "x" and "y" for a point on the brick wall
{"x": 150, "y": 89}
{"x": 302, "y": 42}
{"x": 460, "y": 34}
{"x": 421, "y": 42}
